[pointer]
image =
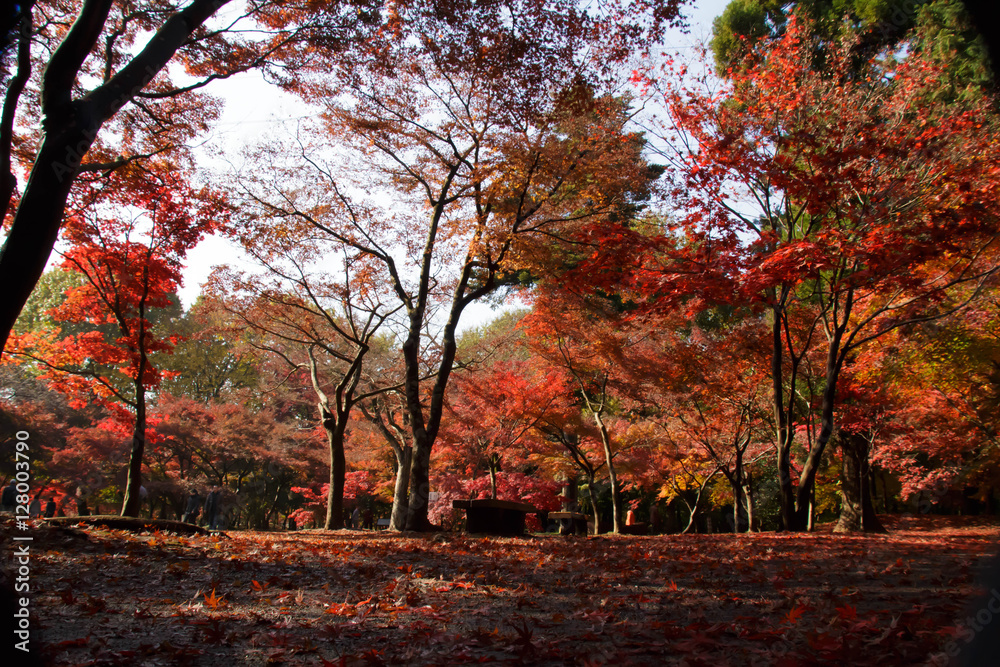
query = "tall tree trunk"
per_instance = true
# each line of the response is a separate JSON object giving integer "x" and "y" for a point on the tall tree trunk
{"x": 748, "y": 494}
{"x": 420, "y": 465}
{"x": 783, "y": 434}
{"x": 612, "y": 475}
{"x": 15, "y": 86}
{"x": 133, "y": 484}
{"x": 338, "y": 469}
{"x": 857, "y": 511}
{"x": 807, "y": 480}
{"x": 593, "y": 503}
{"x": 400, "y": 500}
{"x": 36, "y": 223}
{"x": 420, "y": 485}
{"x": 736, "y": 481}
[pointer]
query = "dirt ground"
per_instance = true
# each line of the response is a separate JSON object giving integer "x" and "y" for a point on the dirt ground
{"x": 100, "y": 596}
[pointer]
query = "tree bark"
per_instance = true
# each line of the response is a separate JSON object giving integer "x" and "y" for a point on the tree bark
{"x": 400, "y": 500}
{"x": 338, "y": 468}
{"x": 420, "y": 486}
{"x": 857, "y": 511}
{"x": 741, "y": 521}
{"x": 612, "y": 475}
{"x": 593, "y": 503}
{"x": 133, "y": 484}
{"x": 784, "y": 434}
{"x": 8, "y": 182}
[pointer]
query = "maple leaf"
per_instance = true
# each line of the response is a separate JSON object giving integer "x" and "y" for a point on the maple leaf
{"x": 793, "y": 616}
{"x": 212, "y": 601}
{"x": 215, "y": 633}
{"x": 847, "y": 613}
{"x": 523, "y": 640}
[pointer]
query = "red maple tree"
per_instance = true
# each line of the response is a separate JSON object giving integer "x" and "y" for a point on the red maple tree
{"x": 128, "y": 235}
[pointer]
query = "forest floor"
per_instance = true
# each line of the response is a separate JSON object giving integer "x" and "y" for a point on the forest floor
{"x": 109, "y": 597}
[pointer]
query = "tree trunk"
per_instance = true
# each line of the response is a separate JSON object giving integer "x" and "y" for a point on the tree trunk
{"x": 593, "y": 503}
{"x": 612, "y": 475}
{"x": 37, "y": 220}
{"x": 493, "y": 464}
{"x": 783, "y": 434}
{"x": 736, "y": 481}
{"x": 133, "y": 485}
{"x": 400, "y": 501}
{"x": 338, "y": 469}
{"x": 812, "y": 509}
{"x": 420, "y": 486}
{"x": 692, "y": 513}
{"x": 857, "y": 511}
{"x": 740, "y": 520}
{"x": 748, "y": 494}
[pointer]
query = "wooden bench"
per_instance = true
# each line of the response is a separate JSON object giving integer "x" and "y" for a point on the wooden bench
{"x": 494, "y": 517}
{"x": 382, "y": 524}
{"x": 570, "y": 523}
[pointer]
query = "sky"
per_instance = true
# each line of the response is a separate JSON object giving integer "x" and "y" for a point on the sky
{"x": 254, "y": 108}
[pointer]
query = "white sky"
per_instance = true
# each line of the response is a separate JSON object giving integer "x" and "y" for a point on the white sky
{"x": 254, "y": 108}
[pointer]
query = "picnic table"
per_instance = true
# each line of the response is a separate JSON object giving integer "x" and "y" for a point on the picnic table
{"x": 494, "y": 517}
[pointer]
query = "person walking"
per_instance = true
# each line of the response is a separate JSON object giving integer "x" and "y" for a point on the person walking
{"x": 193, "y": 506}
{"x": 211, "y": 508}
{"x": 81, "y": 502}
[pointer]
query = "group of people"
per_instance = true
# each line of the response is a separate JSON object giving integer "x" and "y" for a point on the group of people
{"x": 359, "y": 519}
{"x": 45, "y": 506}
{"x": 8, "y": 503}
{"x": 210, "y": 507}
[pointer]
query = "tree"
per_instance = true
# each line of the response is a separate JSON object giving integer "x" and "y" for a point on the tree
{"x": 387, "y": 411}
{"x": 844, "y": 245}
{"x": 494, "y": 410}
{"x": 131, "y": 266}
{"x": 702, "y": 387}
{"x": 102, "y": 99}
{"x": 256, "y": 454}
{"x": 475, "y": 176}
{"x": 582, "y": 336}
{"x": 297, "y": 310}
{"x": 939, "y": 390}
{"x": 97, "y": 45}
{"x": 942, "y": 30}
{"x": 207, "y": 364}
